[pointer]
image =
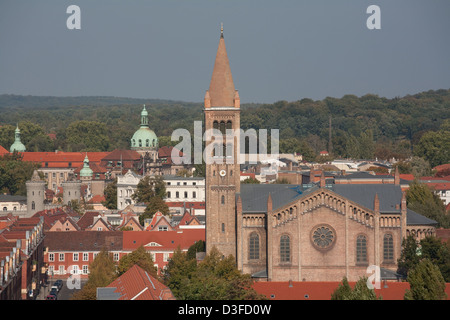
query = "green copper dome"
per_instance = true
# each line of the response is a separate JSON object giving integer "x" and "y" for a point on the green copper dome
{"x": 86, "y": 171}
{"x": 17, "y": 145}
{"x": 144, "y": 137}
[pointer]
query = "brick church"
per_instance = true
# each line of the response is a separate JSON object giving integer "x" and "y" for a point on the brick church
{"x": 322, "y": 231}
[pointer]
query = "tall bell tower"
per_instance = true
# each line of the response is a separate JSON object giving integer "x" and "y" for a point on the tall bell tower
{"x": 222, "y": 113}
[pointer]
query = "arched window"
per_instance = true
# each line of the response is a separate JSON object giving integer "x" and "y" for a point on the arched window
{"x": 194, "y": 194}
{"x": 154, "y": 143}
{"x": 222, "y": 127}
{"x": 140, "y": 143}
{"x": 222, "y": 200}
{"x": 285, "y": 249}
{"x": 253, "y": 246}
{"x": 33, "y": 205}
{"x": 147, "y": 142}
{"x": 223, "y": 227}
{"x": 361, "y": 249}
{"x": 229, "y": 125}
{"x": 216, "y": 125}
{"x": 388, "y": 248}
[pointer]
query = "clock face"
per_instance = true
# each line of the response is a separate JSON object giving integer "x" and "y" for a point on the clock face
{"x": 222, "y": 173}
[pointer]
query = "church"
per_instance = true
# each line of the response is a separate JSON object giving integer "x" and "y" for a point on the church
{"x": 321, "y": 231}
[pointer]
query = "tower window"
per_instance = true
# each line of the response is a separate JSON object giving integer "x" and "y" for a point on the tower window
{"x": 388, "y": 248}
{"x": 285, "y": 249}
{"x": 222, "y": 200}
{"x": 223, "y": 227}
{"x": 253, "y": 246}
{"x": 361, "y": 250}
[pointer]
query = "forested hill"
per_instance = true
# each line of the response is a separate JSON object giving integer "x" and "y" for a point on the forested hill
{"x": 8, "y": 101}
{"x": 366, "y": 126}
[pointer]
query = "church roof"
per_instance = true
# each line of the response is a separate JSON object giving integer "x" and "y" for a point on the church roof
{"x": 221, "y": 88}
{"x": 254, "y": 198}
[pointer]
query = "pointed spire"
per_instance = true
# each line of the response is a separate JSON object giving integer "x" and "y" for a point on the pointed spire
{"x": 221, "y": 87}
{"x": 376, "y": 204}
{"x": 269, "y": 203}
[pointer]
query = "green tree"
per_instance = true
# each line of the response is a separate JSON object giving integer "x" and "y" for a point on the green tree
{"x": 214, "y": 278}
{"x": 179, "y": 273}
{"x": 421, "y": 199}
{"x": 14, "y": 173}
{"x": 342, "y": 291}
{"x": 151, "y": 191}
{"x": 360, "y": 291}
{"x": 140, "y": 257}
{"x": 84, "y": 135}
{"x": 110, "y": 193}
{"x": 438, "y": 253}
{"x": 409, "y": 256}
{"x": 434, "y": 146}
{"x": 102, "y": 271}
{"x": 251, "y": 180}
{"x": 426, "y": 282}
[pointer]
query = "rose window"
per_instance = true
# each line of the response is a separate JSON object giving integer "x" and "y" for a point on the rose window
{"x": 323, "y": 236}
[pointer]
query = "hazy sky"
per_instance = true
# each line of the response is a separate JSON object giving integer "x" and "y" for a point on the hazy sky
{"x": 278, "y": 49}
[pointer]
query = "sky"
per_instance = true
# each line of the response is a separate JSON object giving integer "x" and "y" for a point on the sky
{"x": 278, "y": 49}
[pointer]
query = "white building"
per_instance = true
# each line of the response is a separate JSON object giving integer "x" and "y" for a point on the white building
{"x": 184, "y": 189}
{"x": 126, "y": 186}
{"x": 178, "y": 189}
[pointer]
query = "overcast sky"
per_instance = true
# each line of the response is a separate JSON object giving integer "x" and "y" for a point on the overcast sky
{"x": 278, "y": 49}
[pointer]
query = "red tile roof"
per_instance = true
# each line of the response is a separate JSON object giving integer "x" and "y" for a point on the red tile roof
{"x": 3, "y": 150}
{"x": 323, "y": 290}
{"x": 167, "y": 240}
{"x": 61, "y": 159}
{"x": 137, "y": 284}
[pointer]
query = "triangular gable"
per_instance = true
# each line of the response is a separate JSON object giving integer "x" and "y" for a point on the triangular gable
{"x": 194, "y": 221}
{"x": 164, "y": 223}
{"x": 133, "y": 223}
{"x": 64, "y": 225}
{"x": 100, "y": 225}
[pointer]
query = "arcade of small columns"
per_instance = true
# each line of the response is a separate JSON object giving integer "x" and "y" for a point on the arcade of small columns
{"x": 355, "y": 212}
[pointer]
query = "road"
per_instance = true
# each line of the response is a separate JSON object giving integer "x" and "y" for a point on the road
{"x": 66, "y": 292}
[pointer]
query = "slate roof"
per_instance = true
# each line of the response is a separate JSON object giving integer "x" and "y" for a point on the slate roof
{"x": 254, "y": 197}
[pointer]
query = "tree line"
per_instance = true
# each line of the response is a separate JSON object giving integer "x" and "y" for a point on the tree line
{"x": 350, "y": 127}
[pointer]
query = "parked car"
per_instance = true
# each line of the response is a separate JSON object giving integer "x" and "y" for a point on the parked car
{"x": 51, "y": 297}
{"x": 59, "y": 284}
{"x": 54, "y": 291}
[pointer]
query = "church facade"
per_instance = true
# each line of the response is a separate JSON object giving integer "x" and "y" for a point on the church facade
{"x": 322, "y": 231}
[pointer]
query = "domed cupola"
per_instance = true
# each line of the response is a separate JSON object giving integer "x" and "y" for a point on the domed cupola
{"x": 144, "y": 139}
{"x": 86, "y": 171}
{"x": 17, "y": 145}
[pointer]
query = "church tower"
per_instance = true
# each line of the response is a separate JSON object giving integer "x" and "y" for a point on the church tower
{"x": 222, "y": 113}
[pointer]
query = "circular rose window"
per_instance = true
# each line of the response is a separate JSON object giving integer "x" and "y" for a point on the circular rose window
{"x": 323, "y": 237}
